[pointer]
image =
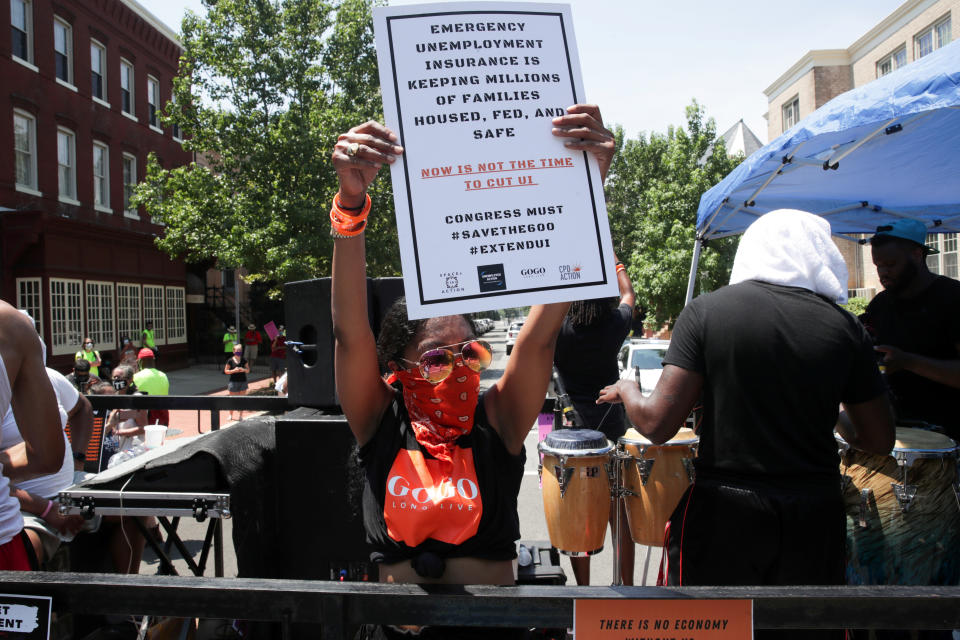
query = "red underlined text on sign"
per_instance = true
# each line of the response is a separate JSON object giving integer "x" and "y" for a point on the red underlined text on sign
{"x": 505, "y": 182}
{"x": 500, "y": 166}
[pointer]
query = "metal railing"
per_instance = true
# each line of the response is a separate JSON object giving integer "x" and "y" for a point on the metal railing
{"x": 213, "y": 404}
{"x": 338, "y": 606}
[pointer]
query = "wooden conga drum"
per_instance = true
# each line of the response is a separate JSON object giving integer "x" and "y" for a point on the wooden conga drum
{"x": 654, "y": 479}
{"x": 576, "y": 489}
{"x": 903, "y": 511}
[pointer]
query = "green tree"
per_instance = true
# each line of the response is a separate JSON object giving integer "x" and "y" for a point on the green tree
{"x": 264, "y": 88}
{"x": 653, "y": 191}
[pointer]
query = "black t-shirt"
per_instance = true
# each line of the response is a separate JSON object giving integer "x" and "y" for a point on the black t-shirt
{"x": 928, "y": 325}
{"x": 777, "y": 361}
{"x": 232, "y": 363}
{"x": 586, "y": 359}
{"x": 498, "y": 476}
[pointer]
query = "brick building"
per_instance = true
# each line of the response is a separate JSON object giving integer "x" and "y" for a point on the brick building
{"x": 83, "y": 83}
{"x": 916, "y": 28}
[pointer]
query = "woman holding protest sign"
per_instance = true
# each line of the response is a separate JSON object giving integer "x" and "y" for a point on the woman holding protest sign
{"x": 426, "y": 431}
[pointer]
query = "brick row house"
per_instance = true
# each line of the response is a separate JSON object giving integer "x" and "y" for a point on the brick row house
{"x": 83, "y": 83}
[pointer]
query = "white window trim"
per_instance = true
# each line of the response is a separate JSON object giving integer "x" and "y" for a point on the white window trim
{"x": 163, "y": 311}
{"x": 101, "y": 102}
{"x": 106, "y": 177}
{"x": 28, "y": 18}
{"x": 22, "y": 187}
{"x": 932, "y": 30}
{"x": 102, "y": 345}
{"x": 28, "y": 65}
{"x": 783, "y": 111}
{"x": 132, "y": 114}
{"x": 67, "y": 85}
{"x": 103, "y": 209}
{"x": 28, "y": 190}
{"x": 68, "y": 348}
{"x": 69, "y": 82}
{"x": 135, "y": 334}
{"x": 132, "y": 214}
{"x": 73, "y": 166}
{"x": 183, "y": 317}
{"x": 104, "y": 65}
{"x": 156, "y": 107}
{"x": 157, "y": 129}
{"x": 38, "y": 319}
{"x": 70, "y": 201}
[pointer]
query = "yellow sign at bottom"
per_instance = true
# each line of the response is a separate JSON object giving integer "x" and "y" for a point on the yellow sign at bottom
{"x": 663, "y": 619}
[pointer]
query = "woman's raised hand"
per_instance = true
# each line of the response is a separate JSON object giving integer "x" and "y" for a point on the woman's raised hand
{"x": 358, "y": 156}
{"x": 584, "y": 125}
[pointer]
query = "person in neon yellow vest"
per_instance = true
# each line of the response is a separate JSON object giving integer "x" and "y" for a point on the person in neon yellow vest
{"x": 230, "y": 338}
{"x": 147, "y": 340}
{"x": 91, "y": 355}
{"x": 154, "y": 382}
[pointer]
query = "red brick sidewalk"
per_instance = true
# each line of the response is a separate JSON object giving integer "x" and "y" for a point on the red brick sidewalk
{"x": 190, "y": 423}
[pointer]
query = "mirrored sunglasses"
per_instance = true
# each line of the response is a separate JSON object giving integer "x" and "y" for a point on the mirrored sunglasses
{"x": 437, "y": 364}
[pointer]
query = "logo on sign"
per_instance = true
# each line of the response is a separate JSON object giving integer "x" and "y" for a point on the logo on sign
{"x": 491, "y": 277}
{"x": 451, "y": 282}
{"x": 570, "y": 271}
{"x": 533, "y": 272}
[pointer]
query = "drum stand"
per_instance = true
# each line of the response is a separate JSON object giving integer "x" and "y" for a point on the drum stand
{"x": 617, "y": 493}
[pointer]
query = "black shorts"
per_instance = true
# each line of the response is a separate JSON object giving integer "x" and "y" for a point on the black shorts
{"x": 728, "y": 533}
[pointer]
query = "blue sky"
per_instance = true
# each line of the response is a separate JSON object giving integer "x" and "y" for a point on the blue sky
{"x": 643, "y": 61}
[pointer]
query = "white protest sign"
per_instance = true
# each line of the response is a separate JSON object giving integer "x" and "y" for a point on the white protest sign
{"x": 493, "y": 211}
{"x": 25, "y": 617}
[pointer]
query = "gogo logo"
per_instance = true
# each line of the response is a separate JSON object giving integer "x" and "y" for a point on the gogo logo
{"x": 533, "y": 272}
{"x": 466, "y": 488}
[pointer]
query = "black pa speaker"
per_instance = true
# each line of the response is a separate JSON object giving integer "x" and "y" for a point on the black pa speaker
{"x": 310, "y": 376}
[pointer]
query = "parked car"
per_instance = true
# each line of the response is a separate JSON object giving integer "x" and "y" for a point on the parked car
{"x": 641, "y": 360}
{"x": 512, "y": 334}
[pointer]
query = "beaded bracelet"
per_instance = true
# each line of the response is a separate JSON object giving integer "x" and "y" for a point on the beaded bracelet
{"x": 620, "y": 267}
{"x": 344, "y": 223}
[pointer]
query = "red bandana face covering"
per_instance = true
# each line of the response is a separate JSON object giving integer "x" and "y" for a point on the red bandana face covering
{"x": 441, "y": 413}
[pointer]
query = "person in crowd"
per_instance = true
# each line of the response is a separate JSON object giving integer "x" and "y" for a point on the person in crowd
{"x": 427, "y": 423}
{"x": 42, "y": 522}
{"x": 251, "y": 344}
{"x": 128, "y": 352}
{"x": 24, "y": 387}
{"x": 586, "y": 361}
{"x": 80, "y": 376}
{"x": 151, "y": 381}
{"x": 915, "y": 322}
{"x": 148, "y": 340}
{"x": 278, "y": 354}
{"x": 91, "y": 355}
{"x": 230, "y": 340}
{"x": 122, "y": 425}
{"x": 773, "y": 357}
{"x": 237, "y": 368}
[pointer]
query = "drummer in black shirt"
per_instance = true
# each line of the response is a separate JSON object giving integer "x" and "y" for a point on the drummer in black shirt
{"x": 915, "y": 321}
{"x": 773, "y": 357}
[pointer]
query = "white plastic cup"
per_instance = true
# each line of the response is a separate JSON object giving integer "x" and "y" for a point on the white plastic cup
{"x": 153, "y": 435}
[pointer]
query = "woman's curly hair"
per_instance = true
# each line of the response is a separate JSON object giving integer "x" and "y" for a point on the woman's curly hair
{"x": 585, "y": 313}
{"x": 397, "y": 331}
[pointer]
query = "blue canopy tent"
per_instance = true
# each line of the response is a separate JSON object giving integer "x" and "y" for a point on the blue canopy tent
{"x": 889, "y": 149}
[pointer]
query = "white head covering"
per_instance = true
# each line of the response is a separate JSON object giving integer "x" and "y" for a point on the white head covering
{"x": 792, "y": 248}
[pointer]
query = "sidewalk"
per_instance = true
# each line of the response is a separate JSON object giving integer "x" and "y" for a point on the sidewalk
{"x": 207, "y": 380}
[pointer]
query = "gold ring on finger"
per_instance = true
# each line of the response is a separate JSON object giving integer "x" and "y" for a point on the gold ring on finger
{"x": 352, "y": 149}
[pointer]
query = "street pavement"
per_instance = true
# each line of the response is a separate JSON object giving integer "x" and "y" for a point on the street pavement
{"x": 209, "y": 380}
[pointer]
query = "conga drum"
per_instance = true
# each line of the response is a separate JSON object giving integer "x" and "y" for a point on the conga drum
{"x": 654, "y": 479}
{"x": 576, "y": 489}
{"x": 903, "y": 511}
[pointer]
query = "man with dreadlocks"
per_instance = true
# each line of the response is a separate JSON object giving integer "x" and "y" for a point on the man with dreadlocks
{"x": 586, "y": 361}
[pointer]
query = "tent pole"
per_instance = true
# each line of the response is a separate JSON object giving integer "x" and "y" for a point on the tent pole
{"x": 697, "y": 244}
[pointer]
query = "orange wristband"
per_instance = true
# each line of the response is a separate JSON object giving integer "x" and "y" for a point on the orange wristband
{"x": 344, "y": 223}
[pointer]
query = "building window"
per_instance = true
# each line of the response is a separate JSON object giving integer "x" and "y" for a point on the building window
{"x": 126, "y": 87}
{"x": 129, "y": 323}
{"x": 66, "y": 164}
{"x": 932, "y": 38}
{"x": 101, "y": 175}
{"x": 30, "y": 299}
{"x": 153, "y": 311}
{"x": 176, "y": 315}
{"x": 24, "y": 149}
{"x": 129, "y": 182}
{"x": 100, "y": 322}
{"x": 21, "y": 29}
{"x": 892, "y": 62}
{"x": 153, "y": 100}
{"x": 98, "y": 70}
{"x": 791, "y": 113}
{"x": 66, "y": 316}
{"x": 63, "y": 50}
{"x": 943, "y": 263}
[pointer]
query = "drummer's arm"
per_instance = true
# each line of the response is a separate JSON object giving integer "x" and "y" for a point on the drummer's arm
{"x": 944, "y": 371}
{"x": 514, "y": 401}
{"x": 868, "y": 426}
{"x": 659, "y": 416}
